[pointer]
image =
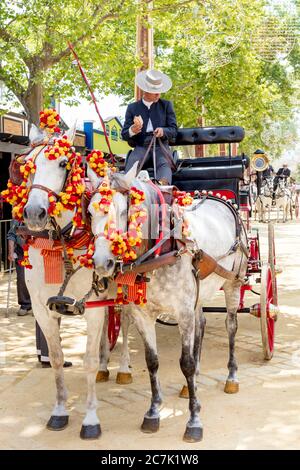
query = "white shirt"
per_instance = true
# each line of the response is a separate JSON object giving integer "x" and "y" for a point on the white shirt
{"x": 149, "y": 125}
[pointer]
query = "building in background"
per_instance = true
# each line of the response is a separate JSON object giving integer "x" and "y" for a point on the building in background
{"x": 95, "y": 139}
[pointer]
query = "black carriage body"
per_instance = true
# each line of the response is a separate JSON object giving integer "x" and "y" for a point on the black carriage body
{"x": 211, "y": 173}
{"x": 221, "y": 174}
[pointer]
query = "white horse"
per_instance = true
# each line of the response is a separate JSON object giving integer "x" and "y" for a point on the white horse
{"x": 283, "y": 201}
{"x": 263, "y": 204}
{"x": 51, "y": 176}
{"x": 173, "y": 289}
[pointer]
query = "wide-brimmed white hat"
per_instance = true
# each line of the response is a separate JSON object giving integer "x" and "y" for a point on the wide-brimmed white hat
{"x": 153, "y": 81}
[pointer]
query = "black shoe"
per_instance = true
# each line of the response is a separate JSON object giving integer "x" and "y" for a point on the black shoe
{"x": 46, "y": 365}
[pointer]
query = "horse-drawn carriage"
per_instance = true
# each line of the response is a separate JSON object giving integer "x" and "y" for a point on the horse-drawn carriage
{"x": 223, "y": 176}
{"x": 211, "y": 252}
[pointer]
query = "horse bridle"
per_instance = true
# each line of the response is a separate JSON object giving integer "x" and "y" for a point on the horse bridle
{"x": 40, "y": 186}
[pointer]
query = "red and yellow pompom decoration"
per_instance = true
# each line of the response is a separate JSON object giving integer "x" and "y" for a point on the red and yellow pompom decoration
{"x": 123, "y": 244}
{"x": 25, "y": 261}
{"x": 97, "y": 163}
{"x": 16, "y": 195}
{"x": 49, "y": 120}
{"x": 70, "y": 198}
{"x": 182, "y": 198}
{"x": 60, "y": 148}
{"x": 121, "y": 299}
{"x": 106, "y": 198}
{"x": 86, "y": 260}
{"x": 140, "y": 293}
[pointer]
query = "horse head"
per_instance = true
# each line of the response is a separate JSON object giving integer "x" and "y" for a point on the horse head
{"x": 48, "y": 179}
{"x": 109, "y": 216}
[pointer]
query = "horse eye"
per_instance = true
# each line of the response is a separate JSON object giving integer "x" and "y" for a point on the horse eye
{"x": 63, "y": 164}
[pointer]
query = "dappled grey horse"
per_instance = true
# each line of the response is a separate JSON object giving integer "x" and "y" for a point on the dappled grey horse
{"x": 173, "y": 289}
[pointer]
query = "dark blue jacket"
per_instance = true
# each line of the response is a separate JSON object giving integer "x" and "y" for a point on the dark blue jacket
{"x": 161, "y": 114}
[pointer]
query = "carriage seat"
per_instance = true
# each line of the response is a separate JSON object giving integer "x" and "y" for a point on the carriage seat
{"x": 218, "y": 174}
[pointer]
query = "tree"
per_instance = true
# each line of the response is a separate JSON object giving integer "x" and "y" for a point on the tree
{"x": 35, "y": 59}
{"x": 212, "y": 50}
{"x": 215, "y": 58}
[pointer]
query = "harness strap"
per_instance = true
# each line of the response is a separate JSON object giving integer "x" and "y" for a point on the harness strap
{"x": 44, "y": 188}
{"x": 163, "y": 214}
{"x": 152, "y": 250}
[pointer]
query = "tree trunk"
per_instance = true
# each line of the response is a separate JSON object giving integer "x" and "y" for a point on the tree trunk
{"x": 33, "y": 102}
{"x": 200, "y": 150}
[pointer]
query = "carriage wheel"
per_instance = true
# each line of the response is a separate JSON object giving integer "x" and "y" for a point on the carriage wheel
{"x": 114, "y": 324}
{"x": 267, "y": 311}
{"x": 165, "y": 319}
{"x": 272, "y": 260}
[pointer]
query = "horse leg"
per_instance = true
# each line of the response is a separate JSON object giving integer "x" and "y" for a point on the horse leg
{"x": 49, "y": 324}
{"x": 103, "y": 372}
{"x": 146, "y": 327}
{"x": 190, "y": 340}
{"x": 200, "y": 335}
{"x": 124, "y": 375}
{"x": 200, "y": 322}
{"x": 90, "y": 428}
{"x": 232, "y": 296}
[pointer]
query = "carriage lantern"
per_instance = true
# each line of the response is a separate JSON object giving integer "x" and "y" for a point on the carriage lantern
{"x": 259, "y": 161}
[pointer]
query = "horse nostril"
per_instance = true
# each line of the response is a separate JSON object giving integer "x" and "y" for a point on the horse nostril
{"x": 25, "y": 214}
{"x": 109, "y": 264}
{"x": 42, "y": 214}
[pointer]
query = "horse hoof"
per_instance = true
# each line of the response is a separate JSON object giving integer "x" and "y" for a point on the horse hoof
{"x": 193, "y": 434}
{"x": 150, "y": 425}
{"x": 90, "y": 431}
{"x": 231, "y": 387}
{"x": 57, "y": 423}
{"x": 184, "y": 392}
{"x": 102, "y": 376}
{"x": 124, "y": 378}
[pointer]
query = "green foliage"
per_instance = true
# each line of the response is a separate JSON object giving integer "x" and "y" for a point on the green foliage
{"x": 216, "y": 51}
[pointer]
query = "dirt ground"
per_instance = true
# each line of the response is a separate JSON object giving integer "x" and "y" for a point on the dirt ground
{"x": 265, "y": 414}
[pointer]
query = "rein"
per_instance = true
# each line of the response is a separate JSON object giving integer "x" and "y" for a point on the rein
{"x": 166, "y": 154}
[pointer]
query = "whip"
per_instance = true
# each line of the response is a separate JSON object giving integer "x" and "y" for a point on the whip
{"x": 93, "y": 98}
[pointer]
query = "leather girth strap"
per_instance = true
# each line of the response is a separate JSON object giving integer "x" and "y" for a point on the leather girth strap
{"x": 167, "y": 259}
{"x": 205, "y": 265}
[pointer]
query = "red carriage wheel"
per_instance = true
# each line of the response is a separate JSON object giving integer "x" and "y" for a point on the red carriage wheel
{"x": 268, "y": 311}
{"x": 272, "y": 261}
{"x": 114, "y": 325}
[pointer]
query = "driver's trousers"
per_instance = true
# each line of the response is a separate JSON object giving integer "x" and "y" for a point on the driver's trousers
{"x": 163, "y": 170}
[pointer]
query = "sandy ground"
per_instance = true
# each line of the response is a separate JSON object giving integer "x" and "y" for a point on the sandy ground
{"x": 265, "y": 414}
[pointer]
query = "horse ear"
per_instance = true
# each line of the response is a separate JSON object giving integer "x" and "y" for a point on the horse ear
{"x": 71, "y": 132}
{"x": 36, "y": 134}
{"x": 125, "y": 181}
{"x": 92, "y": 176}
